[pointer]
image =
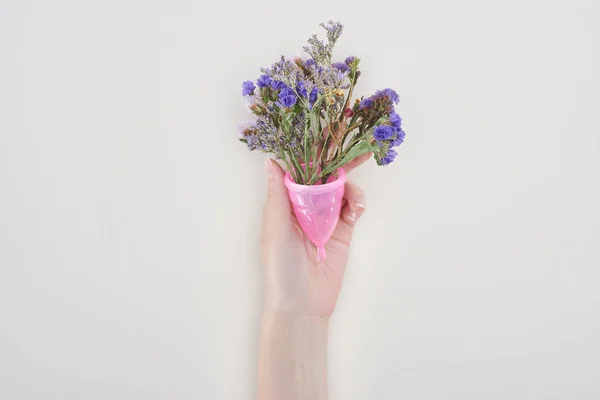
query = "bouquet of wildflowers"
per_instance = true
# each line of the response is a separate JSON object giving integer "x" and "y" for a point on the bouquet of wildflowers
{"x": 306, "y": 117}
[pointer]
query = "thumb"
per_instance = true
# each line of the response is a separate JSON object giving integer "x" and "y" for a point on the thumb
{"x": 277, "y": 200}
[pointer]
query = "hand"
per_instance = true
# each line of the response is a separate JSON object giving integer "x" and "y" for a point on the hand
{"x": 296, "y": 281}
{"x": 301, "y": 293}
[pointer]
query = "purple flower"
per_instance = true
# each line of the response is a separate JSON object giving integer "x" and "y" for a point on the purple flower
{"x": 301, "y": 89}
{"x": 310, "y": 62}
{"x": 383, "y": 132}
{"x": 263, "y": 81}
{"x": 341, "y": 66}
{"x": 287, "y": 98}
{"x": 313, "y": 96}
{"x": 349, "y": 60}
{"x": 278, "y": 85}
{"x": 389, "y": 93}
{"x": 399, "y": 139}
{"x": 389, "y": 157}
{"x": 366, "y": 103}
{"x": 392, "y": 95}
{"x": 395, "y": 120}
{"x": 247, "y": 88}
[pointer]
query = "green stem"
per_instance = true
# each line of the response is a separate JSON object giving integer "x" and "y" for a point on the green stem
{"x": 301, "y": 175}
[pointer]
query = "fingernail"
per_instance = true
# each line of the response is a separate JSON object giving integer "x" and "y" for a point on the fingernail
{"x": 351, "y": 216}
{"x": 268, "y": 164}
{"x": 360, "y": 205}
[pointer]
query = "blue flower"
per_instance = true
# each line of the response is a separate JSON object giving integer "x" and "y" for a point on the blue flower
{"x": 278, "y": 85}
{"x": 301, "y": 89}
{"x": 399, "y": 139}
{"x": 366, "y": 103}
{"x": 389, "y": 157}
{"x": 395, "y": 120}
{"x": 383, "y": 132}
{"x": 341, "y": 66}
{"x": 287, "y": 98}
{"x": 313, "y": 96}
{"x": 310, "y": 62}
{"x": 349, "y": 60}
{"x": 263, "y": 81}
{"x": 247, "y": 88}
{"x": 389, "y": 93}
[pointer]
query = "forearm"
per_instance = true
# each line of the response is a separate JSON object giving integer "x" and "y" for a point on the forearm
{"x": 292, "y": 361}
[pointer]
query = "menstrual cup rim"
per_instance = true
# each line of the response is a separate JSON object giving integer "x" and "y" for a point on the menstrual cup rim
{"x": 316, "y": 189}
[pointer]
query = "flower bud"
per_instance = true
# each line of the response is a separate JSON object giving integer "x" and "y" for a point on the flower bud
{"x": 348, "y": 113}
{"x": 258, "y": 108}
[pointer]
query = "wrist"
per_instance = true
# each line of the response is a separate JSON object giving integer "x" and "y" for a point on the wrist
{"x": 292, "y": 346}
{"x": 291, "y": 321}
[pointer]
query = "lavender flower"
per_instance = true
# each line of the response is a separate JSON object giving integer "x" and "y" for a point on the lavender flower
{"x": 284, "y": 70}
{"x": 247, "y": 88}
{"x": 383, "y": 132}
{"x": 320, "y": 51}
{"x": 264, "y": 81}
{"x": 349, "y": 60}
{"x": 334, "y": 31}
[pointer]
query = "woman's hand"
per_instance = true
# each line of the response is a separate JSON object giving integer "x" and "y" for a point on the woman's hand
{"x": 301, "y": 293}
{"x": 296, "y": 281}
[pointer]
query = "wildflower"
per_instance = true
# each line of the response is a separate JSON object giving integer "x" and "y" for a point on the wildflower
{"x": 258, "y": 108}
{"x": 301, "y": 89}
{"x": 366, "y": 103}
{"x": 399, "y": 139}
{"x": 389, "y": 157}
{"x": 264, "y": 81}
{"x": 395, "y": 120}
{"x": 338, "y": 92}
{"x": 383, "y": 132}
{"x": 278, "y": 85}
{"x": 341, "y": 66}
{"x": 388, "y": 93}
{"x": 313, "y": 96}
{"x": 287, "y": 98}
{"x": 247, "y": 88}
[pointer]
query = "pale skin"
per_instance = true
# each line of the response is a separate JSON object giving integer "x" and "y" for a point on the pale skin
{"x": 300, "y": 293}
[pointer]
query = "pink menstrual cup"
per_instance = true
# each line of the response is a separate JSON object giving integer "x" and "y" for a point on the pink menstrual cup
{"x": 318, "y": 207}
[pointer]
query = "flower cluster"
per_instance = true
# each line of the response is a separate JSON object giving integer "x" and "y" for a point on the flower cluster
{"x": 388, "y": 133}
{"x": 304, "y": 113}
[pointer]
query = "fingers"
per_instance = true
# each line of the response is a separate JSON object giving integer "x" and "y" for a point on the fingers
{"x": 353, "y": 209}
{"x": 357, "y": 161}
{"x": 277, "y": 199}
{"x": 355, "y": 206}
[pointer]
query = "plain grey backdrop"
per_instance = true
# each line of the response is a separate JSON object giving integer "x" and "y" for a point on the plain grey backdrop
{"x": 130, "y": 214}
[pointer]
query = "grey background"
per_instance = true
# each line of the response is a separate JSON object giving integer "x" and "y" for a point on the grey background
{"x": 129, "y": 213}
